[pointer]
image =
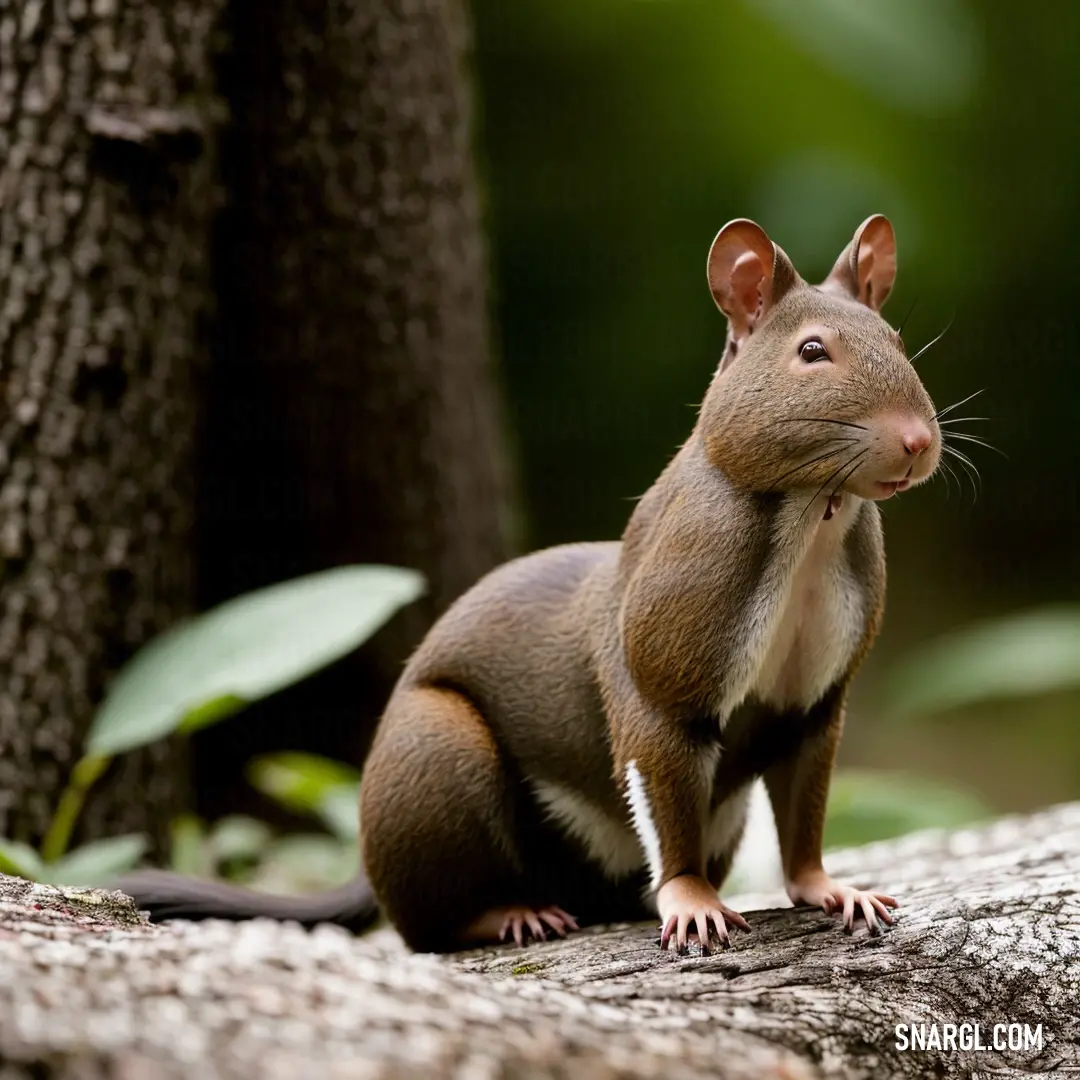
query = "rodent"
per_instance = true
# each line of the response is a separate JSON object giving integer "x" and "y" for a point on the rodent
{"x": 578, "y": 733}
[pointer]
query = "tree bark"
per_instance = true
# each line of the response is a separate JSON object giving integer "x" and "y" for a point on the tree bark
{"x": 355, "y": 417}
{"x": 989, "y": 933}
{"x": 107, "y": 187}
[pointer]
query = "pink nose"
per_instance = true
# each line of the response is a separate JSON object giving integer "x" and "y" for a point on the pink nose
{"x": 916, "y": 438}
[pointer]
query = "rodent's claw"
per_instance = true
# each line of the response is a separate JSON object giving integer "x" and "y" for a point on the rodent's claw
{"x": 553, "y": 922}
{"x": 873, "y": 910}
{"x": 515, "y": 920}
{"x": 714, "y": 926}
{"x": 512, "y": 923}
{"x": 820, "y": 890}
{"x": 536, "y": 926}
{"x": 665, "y": 933}
{"x": 736, "y": 918}
{"x": 554, "y": 912}
{"x": 689, "y": 900}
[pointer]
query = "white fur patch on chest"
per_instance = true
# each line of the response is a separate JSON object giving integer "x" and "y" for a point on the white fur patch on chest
{"x": 612, "y": 844}
{"x": 807, "y": 616}
{"x": 816, "y": 635}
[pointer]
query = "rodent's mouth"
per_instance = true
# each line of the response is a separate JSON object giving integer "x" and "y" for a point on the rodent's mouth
{"x": 888, "y": 488}
{"x": 879, "y": 490}
{"x": 882, "y": 489}
{"x": 885, "y": 489}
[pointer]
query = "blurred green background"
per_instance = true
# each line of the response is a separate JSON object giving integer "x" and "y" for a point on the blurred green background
{"x": 617, "y": 136}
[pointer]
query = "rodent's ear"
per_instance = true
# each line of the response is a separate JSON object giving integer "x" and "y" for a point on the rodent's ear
{"x": 866, "y": 268}
{"x": 748, "y": 273}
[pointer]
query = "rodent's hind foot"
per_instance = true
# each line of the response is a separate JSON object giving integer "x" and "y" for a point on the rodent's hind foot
{"x": 687, "y": 900}
{"x": 518, "y": 921}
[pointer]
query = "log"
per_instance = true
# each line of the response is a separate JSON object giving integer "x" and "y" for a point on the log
{"x": 988, "y": 934}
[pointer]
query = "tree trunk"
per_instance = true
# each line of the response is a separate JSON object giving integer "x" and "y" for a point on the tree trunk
{"x": 355, "y": 417}
{"x": 989, "y": 934}
{"x": 107, "y": 187}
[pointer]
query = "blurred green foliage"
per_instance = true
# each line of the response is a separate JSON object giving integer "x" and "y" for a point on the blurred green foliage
{"x": 866, "y": 805}
{"x": 617, "y": 136}
{"x": 230, "y": 848}
{"x": 90, "y": 864}
{"x": 245, "y": 850}
{"x": 313, "y": 785}
{"x": 196, "y": 674}
{"x": 245, "y": 649}
{"x": 1015, "y": 656}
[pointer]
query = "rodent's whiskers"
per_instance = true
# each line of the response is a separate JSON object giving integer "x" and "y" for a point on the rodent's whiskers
{"x": 970, "y": 469}
{"x": 945, "y": 476}
{"x": 932, "y": 342}
{"x": 903, "y": 321}
{"x": 969, "y": 466}
{"x": 956, "y": 405}
{"x": 844, "y": 444}
{"x": 973, "y": 439}
{"x": 820, "y": 420}
{"x": 844, "y": 479}
{"x": 832, "y": 476}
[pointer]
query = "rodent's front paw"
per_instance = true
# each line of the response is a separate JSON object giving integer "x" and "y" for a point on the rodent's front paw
{"x": 688, "y": 899}
{"x": 820, "y": 890}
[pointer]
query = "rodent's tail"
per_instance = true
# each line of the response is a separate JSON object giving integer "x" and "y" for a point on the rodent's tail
{"x": 166, "y": 895}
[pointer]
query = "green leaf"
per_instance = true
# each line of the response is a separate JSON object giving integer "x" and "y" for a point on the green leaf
{"x": 306, "y": 863}
{"x": 239, "y": 838}
{"x": 300, "y": 782}
{"x": 188, "y": 852}
{"x": 868, "y": 805}
{"x": 246, "y": 649}
{"x": 21, "y": 860}
{"x": 95, "y": 863}
{"x": 210, "y": 712}
{"x": 340, "y": 811}
{"x": 1034, "y": 652}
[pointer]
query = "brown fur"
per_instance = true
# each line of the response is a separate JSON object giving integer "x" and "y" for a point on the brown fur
{"x": 713, "y": 645}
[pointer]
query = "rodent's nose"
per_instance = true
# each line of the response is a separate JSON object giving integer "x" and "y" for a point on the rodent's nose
{"x": 916, "y": 438}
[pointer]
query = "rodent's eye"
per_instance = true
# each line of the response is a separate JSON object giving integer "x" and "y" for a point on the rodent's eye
{"x": 813, "y": 351}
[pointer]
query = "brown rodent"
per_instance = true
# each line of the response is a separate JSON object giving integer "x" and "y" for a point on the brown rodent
{"x": 580, "y": 730}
